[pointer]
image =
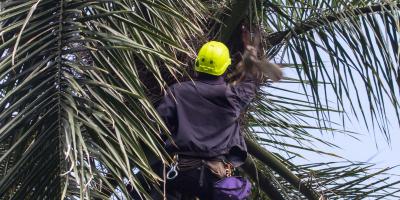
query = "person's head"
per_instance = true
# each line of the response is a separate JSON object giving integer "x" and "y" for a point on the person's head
{"x": 213, "y": 59}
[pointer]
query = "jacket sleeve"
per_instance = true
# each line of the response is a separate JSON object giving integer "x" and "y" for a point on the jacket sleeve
{"x": 243, "y": 93}
{"x": 167, "y": 111}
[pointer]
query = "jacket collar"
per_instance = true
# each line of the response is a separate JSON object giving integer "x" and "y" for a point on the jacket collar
{"x": 210, "y": 79}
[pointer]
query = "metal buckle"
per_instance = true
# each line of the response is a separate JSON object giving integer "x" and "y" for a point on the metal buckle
{"x": 228, "y": 168}
{"x": 173, "y": 171}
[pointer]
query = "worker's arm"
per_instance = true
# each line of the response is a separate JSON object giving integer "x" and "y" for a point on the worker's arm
{"x": 167, "y": 110}
{"x": 244, "y": 87}
{"x": 249, "y": 70}
{"x": 243, "y": 92}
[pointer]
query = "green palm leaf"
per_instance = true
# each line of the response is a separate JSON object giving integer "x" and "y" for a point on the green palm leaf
{"x": 75, "y": 118}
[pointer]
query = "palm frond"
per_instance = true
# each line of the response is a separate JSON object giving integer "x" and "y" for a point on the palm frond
{"x": 350, "y": 45}
{"x": 333, "y": 180}
{"x": 75, "y": 115}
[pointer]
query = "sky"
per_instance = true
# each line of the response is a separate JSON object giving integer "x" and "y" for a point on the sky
{"x": 373, "y": 142}
{"x": 372, "y": 146}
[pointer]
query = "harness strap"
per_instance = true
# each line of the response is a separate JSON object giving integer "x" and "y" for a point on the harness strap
{"x": 219, "y": 167}
{"x": 201, "y": 178}
{"x": 188, "y": 164}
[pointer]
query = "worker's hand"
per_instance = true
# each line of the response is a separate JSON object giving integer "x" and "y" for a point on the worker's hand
{"x": 252, "y": 51}
{"x": 251, "y": 64}
{"x": 271, "y": 70}
{"x": 249, "y": 57}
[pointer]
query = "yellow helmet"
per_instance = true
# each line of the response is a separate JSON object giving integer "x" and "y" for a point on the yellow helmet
{"x": 213, "y": 58}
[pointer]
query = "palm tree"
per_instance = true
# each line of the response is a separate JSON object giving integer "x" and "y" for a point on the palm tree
{"x": 79, "y": 81}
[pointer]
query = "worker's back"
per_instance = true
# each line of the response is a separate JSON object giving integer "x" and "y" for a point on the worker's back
{"x": 202, "y": 116}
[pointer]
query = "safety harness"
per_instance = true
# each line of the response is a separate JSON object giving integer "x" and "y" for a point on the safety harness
{"x": 219, "y": 167}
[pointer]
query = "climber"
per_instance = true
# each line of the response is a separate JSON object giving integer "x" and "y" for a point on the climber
{"x": 202, "y": 116}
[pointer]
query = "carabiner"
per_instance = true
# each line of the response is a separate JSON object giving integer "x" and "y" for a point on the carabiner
{"x": 173, "y": 172}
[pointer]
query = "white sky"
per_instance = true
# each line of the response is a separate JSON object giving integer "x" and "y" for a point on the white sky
{"x": 372, "y": 146}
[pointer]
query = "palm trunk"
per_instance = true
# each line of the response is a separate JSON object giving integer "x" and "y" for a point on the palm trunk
{"x": 263, "y": 181}
{"x": 271, "y": 161}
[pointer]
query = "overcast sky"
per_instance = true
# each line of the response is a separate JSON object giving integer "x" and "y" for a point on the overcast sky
{"x": 371, "y": 147}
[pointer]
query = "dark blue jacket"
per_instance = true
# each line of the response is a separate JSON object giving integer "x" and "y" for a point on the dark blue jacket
{"x": 202, "y": 116}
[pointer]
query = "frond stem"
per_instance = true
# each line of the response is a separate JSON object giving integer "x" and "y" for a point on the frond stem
{"x": 59, "y": 85}
{"x": 303, "y": 27}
